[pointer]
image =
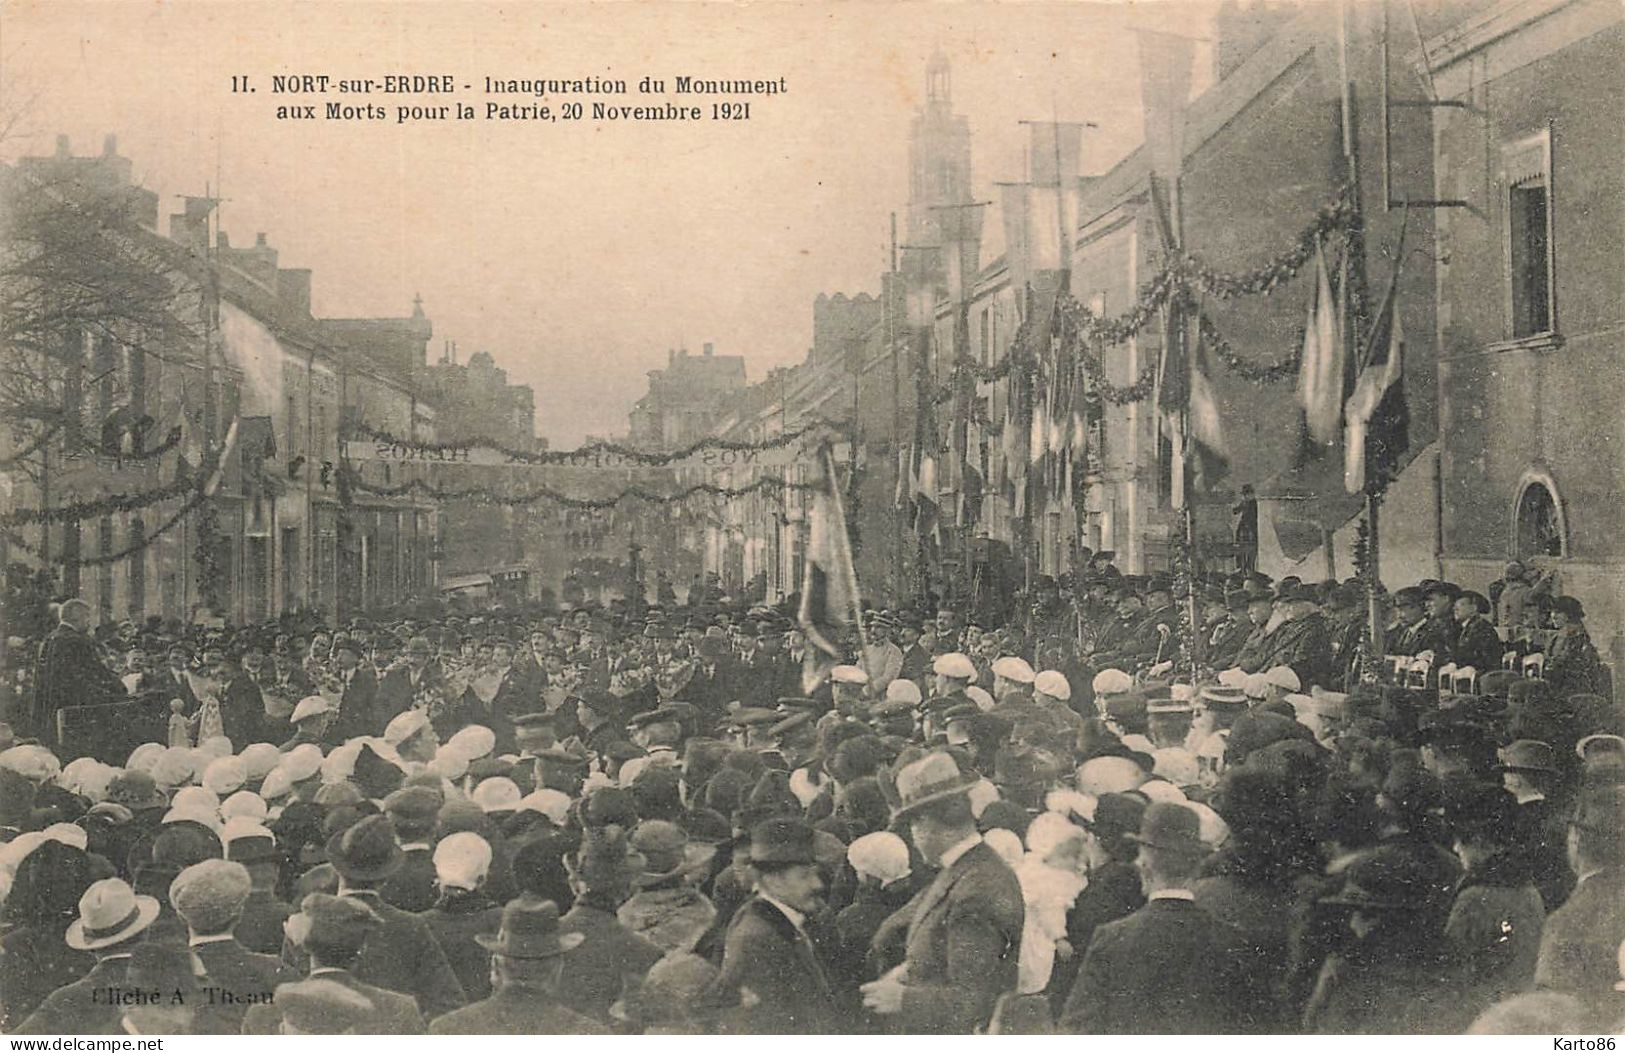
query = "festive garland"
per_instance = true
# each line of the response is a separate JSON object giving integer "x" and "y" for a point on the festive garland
{"x": 105, "y": 506}
{"x": 169, "y": 524}
{"x": 567, "y": 457}
{"x": 1181, "y": 276}
{"x": 545, "y": 493}
{"x": 1275, "y": 372}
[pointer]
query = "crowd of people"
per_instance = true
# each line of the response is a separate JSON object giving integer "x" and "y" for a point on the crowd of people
{"x": 651, "y": 820}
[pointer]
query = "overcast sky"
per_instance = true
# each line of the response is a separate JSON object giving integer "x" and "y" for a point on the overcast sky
{"x": 575, "y": 253}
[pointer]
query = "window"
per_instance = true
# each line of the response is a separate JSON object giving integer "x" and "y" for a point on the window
{"x": 1540, "y": 527}
{"x": 1527, "y": 173}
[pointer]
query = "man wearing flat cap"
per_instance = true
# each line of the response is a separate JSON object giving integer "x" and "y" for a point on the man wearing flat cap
{"x": 209, "y": 896}
{"x": 768, "y": 950}
{"x": 331, "y": 931}
{"x": 1170, "y": 967}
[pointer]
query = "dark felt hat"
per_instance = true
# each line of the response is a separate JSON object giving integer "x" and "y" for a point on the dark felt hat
{"x": 530, "y": 929}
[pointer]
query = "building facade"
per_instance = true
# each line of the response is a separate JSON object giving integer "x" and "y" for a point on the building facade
{"x": 1529, "y": 323}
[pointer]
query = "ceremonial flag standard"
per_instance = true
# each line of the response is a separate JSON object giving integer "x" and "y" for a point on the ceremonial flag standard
{"x": 1377, "y": 416}
{"x": 1322, "y": 376}
{"x": 829, "y": 590}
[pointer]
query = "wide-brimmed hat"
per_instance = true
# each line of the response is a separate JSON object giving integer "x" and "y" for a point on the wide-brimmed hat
{"x": 667, "y": 852}
{"x": 1529, "y": 755}
{"x": 1171, "y": 827}
{"x": 1386, "y": 879}
{"x": 365, "y": 851}
{"x": 782, "y": 841}
{"x": 932, "y": 778}
{"x": 110, "y": 912}
{"x": 530, "y": 929}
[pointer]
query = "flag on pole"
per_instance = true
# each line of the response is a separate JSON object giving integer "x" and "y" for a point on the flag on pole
{"x": 1165, "y": 89}
{"x": 1013, "y": 209}
{"x": 1377, "y": 416}
{"x": 1322, "y": 373}
{"x": 1190, "y": 413}
{"x": 829, "y": 589}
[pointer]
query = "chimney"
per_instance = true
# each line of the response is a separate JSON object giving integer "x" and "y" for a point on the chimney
{"x": 259, "y": 240}
{"x": 708, "y": 349}
{"x": 110, "y": 146}
{"x": 62, "y": 147}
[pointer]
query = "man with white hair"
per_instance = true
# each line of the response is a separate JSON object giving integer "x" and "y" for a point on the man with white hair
{"x": 69, "y": 672}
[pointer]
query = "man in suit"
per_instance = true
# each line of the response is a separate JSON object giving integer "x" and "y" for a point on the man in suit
{"x": 413, "y": 812}
{"x": 209, "y": 896}
{"x": 418, "y": 679}
{"x": 768, "y": 950}
{"x": 601, "y": 874}
{"x": 69, "y": 673}
{"x": 1528, "y": 769}
{"x": 400, "y": 952}
{"x": 259, "y": 928}
{"x": 1579, "y": 946}
{"x": 965, "y": 934}
{"x": 333, "y": 932}
{"x": 356, "y": 706}
{"x": 1170, "y": 967}
{"x": 112, "y": 921}
{"x": 527, "y": 958}
{"x": 1477, "y": 643}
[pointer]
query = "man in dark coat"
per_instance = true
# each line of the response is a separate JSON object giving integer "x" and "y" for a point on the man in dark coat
{"x": 357, "y": 706}
{"x": 601, "y": 873}
{"x": 242, "y": 706}
{"x": 1579, "y": 946}
{"x": 1225, "y": 639}
{"x": 400, "y": 954}
{"x": 1113, "y": 891}
{"x": 768, "y": 950}
{"x": 1170, "y": 967}
{"x": 332, "y": 932}
{"x": 1528, "y": 767}
{"x": 209, "y": 897}
{"x": 413, "y": 812}
{"x": 1477, "y": 644}
{"x": 417, "y": 679}
{"x": 965, "y": 934}
{"x": 69, "y": 673}
{"x": 112, "y": 921}
{"x": 260, "y": 926}
{"x": 1304, "y": 641}
{"x": 1442, "y": 628}
{"x": 465, "y": 911}
{"x": 528, "y": 955}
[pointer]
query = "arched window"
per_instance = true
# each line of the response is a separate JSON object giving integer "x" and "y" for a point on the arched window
{"x": 1539, "y": 528}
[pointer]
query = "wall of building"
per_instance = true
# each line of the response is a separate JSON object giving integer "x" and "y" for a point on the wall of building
{"x": 1537, "y": 408}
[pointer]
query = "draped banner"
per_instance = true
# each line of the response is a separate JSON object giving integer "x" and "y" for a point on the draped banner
{"x": 706, "y": 459}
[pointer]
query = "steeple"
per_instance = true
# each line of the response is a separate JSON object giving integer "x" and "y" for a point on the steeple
{"x": 938, "y": 79}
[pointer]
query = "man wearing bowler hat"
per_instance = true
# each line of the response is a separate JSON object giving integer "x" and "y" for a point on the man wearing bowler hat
{"x": 527, "y": 958}
{"x": 767, "y": 949}
{"x": 1170, "y": 967}
{"x": 402, "y": 954}
{"x": 965, "y": 934}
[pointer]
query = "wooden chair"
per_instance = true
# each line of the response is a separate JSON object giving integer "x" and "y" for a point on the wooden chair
{"x": 1445, "y": 678}
{"x": 1509, "y": 660}
{"x": 1464, "y": 681}
{"x": 1534, "y": 666}
{"x": 1416, "y": 674}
